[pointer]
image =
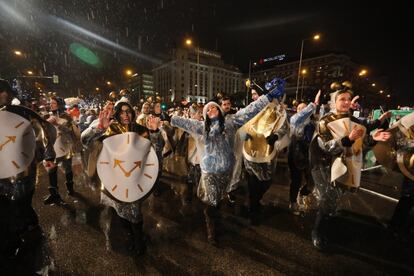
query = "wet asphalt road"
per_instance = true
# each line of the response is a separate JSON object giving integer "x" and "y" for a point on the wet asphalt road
{"x": 177, "y": 245}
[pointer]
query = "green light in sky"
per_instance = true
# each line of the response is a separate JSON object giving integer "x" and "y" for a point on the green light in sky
{"x": 85, "y": 54}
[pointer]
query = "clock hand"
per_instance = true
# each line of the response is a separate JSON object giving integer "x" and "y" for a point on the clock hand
{"x": 137, "y": 165}
{"x": 118, "y": 163}
{"x": 9, "y": 139}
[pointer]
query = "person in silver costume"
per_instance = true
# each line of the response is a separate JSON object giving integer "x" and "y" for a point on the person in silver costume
{"x": 130, "y": 213}
{"x": 259, "y": 174}
{"x": 324, "y": 149}
{"x": 21, "y": 235}
{"x": 302, "y": 127}
{"x": 215, "y": 137}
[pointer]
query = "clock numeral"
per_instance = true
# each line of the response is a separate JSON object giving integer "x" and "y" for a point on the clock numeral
{"x": 147, "y": 175}
{"x": 114, "y": 187}
{"x": 140, "y": 188}
{"x": 18, "y": 125}
{"x": 15, "y": 164}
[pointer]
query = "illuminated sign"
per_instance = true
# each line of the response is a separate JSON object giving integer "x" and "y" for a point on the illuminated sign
{"x": 275, "y": 58}
{"x": 207, "y": 53}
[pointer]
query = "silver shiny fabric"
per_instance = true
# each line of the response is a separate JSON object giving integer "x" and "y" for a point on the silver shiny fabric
{"x": 263, "y": 171}
{"x": 212, "y": 187}
{"x": 129, "y": 211}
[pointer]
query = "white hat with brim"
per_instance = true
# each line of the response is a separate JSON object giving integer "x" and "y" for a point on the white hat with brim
{"x": 206, "y": 107}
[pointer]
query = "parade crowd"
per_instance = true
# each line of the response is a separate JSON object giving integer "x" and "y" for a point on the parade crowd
{"x": 217, "y": 149}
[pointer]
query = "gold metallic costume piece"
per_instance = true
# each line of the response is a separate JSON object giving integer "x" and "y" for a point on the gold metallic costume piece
{"x": 388, "y": 154}
{"x": 385, "y": 152}
{"x": 347, "y": 167}
{"x": 256, "y": 148}
{"x": 142, "y": 119}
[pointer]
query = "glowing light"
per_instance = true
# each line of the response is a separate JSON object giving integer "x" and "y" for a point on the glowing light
{"x": 188, "y": 42}
{"x": 317, "y": 37}
{"x": 85, "y": 55}
{"x": 64, "y": 24}
{"x": 363, "y": 72}
{"x": 18, "y": 53}
{"x": 30, "y": 72}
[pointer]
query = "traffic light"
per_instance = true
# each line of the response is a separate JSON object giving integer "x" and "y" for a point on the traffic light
{"x": 163, "y": 106}
{"x": 55, "y": 79}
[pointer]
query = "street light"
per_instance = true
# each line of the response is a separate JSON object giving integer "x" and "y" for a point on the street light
{"x": 303, "y": 72}
{"x": 315, "y": 37}
{"x": 17, "y": 53}
{"x": 29, "y": 72}
{"x": 128, "y": 72}
{"x": 363, "y": 72}
{"x": 108, "y": 83}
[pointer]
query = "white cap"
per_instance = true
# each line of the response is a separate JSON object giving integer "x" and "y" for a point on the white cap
{"x": 208, "y": 105}
{"x": 122, "y": 100}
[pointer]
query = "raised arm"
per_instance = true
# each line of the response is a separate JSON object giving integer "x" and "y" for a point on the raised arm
{"x": 191, "y": 126}
{"x": 276, "y": 89}
{"x": 244, "y": 115}
{"x": 299, "y": 118}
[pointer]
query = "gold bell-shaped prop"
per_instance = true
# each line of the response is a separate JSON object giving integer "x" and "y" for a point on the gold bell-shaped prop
{"x": 112, "y": 95}
{"x": 123, "y": 92}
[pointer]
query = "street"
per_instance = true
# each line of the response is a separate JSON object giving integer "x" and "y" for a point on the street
{"x": 177, "y": 244}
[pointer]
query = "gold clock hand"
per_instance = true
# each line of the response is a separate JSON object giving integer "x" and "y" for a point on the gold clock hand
{"x": 118, "y": 163}
{"x": 137, "y": 165}
{"x": 9, "y": 139}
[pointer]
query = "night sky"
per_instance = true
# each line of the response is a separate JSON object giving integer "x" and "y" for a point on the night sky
{"x": 138, "y": 34}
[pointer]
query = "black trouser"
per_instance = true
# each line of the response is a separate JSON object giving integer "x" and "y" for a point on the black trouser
{"x": 296, "y": 176}
{"x": 53, "y": 176}
{"x": 404, "y": 205}
{"x": 257, "y": 189}
{"x": 136, "y": 230}
{"x": 19, "y": 229}
{"x": 193, "y": 178}
{"x": 210, "y": 216}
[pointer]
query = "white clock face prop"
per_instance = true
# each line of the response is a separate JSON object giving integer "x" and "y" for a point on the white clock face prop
{"x": 62, "y": 146}
{"x": 17, "y": 144}
{"x": 127, "y": 166}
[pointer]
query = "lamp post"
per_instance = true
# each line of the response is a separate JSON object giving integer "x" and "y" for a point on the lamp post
{"x": 189, "y": 43}
{"x": 315, "y": 37}
{"x": 303, "y": 72}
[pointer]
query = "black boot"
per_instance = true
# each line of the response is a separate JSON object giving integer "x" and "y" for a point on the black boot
{"x": 140, "y": 246}
{"x": 53, "y": 198}
{"x": 318, "y": 239}
{"x": 210, "y": 225}
{"x": 69, "y": 183}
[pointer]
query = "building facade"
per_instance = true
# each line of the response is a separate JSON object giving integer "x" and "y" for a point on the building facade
{"x": 141, "y": 86}
{"x": 318, "y": 73}
{"x": 197, "y": 75}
